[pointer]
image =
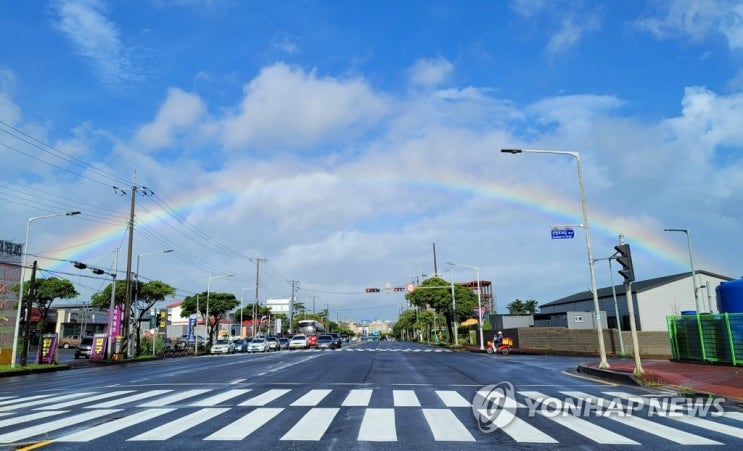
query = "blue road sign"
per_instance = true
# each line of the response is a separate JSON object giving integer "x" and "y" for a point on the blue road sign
{"x": 561, "y": 234}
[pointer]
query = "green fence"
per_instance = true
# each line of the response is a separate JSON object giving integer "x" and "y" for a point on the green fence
{"x": 707, "y": 337}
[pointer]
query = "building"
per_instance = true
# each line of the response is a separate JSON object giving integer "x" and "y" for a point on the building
{"x": 10, "y": 276}
{"x": 653, "y": 300}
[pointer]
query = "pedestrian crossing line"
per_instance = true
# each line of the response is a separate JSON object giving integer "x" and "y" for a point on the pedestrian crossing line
{"x": 709, "y": 425}
{"x": 128, "y": 399}
{"x": 405, "y": 398}
{"x": 219, "y": 398}
{"x": 266, "y": 397}
{"x": 240, "y": 429}
{"x": 110, "y": 427}
{"x": 312, "y": 398}
{"x": 15, "y": 399}
{"x": 451, "y": 398}
{"x": 358, "y": 398}
{"x": 173, "y": 428}
{"x": 378, "y": 425}
{"x": 589, "y": 430}
{"x": 24, "y": 402}
{"x": 446, "y": 427}
{"x": 45, "y": 428}
{"x": 313, "y": 424}
{"x": 175, "y": 397}
{"x": 64, "y": 405}
{"x": 521, "y": 431}
{"x": 30, "y": 417}
{"x": 660, "y": 430}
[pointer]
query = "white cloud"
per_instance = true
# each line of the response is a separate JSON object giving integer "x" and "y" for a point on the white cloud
{"x": 286, "y": 106}
{"x": 96, "y": 38}
{"x": 696, "y": 20}
{"x": 180, "y": 112}
{"x": 570, "y": 33}
{"x": 430, "y": 72}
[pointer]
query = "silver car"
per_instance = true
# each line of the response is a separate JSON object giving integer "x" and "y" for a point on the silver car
{"x": 223, "y": 347}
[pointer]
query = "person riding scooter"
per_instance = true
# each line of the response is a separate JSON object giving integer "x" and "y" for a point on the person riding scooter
{"x": 497, "y": 341}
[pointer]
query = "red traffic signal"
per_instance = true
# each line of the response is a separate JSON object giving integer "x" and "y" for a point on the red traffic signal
{"x": 372, "y": 290}
{"x": 399, "y": 289}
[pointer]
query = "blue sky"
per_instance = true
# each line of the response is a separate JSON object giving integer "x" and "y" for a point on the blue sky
{"x": 340, "y": 141}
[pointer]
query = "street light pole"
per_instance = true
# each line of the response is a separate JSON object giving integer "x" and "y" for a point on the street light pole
{"x": 479, "y": 301}
{"x": 242, "y": 302}
{"x": 208, "y": 289}
{"x": 616, "y": 307}
{"x": 453, "y": 307}
{"x": 602, "y": 351}
{"x": 691, "y": 263}
{"x": 136, "y": 288}
{"x": 23, "y": 275}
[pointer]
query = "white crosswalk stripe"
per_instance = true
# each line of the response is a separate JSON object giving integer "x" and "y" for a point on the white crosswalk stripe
{"x": 305, "y": 414}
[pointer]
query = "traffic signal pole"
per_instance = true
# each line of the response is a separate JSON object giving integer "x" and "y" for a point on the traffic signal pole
{"x": 626, "y": 272}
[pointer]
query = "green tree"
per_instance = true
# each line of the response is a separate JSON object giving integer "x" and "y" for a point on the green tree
{"x": 219, "y": 305}
{"x": 147, "y": 295}
{"x": 435, "y": 293}
{"x": 43, "y": 292}
{"x": 519, "y": 307}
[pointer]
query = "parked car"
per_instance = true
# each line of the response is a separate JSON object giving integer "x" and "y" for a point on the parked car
{"x": 223, "y": 346}
{"x": 69, "y": 341}
{"x": 283, "y": 343}
{"x": 192, "y": 340}
{"x": 240, "y": 345}
{"x": 336, "y": 340}
{"x": 298, "y": 342}
{"x": 84, "y": 348}
{"x": 324, "y": 342}
{"x": 258, "y": 345}
{"x": 273, "y": 343}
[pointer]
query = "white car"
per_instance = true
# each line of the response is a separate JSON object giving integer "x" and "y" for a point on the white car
{"x": 298, "y": 342}
{"x": 223, "y": 346}
{"x": 258, "y": 345}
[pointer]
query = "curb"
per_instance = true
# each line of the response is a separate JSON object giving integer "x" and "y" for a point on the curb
{"x": 614, "y": 376}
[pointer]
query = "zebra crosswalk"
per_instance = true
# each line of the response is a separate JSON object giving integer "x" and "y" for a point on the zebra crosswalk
{"x": 369, "y": 414}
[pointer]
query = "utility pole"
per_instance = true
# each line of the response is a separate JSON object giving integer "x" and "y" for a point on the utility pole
{"x": 257, "y": 284}
{"x": 27, "y": 315}
{"x": 291, "y": 308}
{"x": 127, "y": 345}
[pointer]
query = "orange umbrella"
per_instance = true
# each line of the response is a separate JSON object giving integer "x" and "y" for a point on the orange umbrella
{"x": 469, "y": 322}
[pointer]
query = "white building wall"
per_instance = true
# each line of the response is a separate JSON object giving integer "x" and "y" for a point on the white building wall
{"x": 656, "y": 304}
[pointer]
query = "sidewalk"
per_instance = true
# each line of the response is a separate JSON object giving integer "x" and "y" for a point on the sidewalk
{"x": 688, "y": 378}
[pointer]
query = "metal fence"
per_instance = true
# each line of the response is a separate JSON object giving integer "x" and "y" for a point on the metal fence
{"x": 707, "y": 337}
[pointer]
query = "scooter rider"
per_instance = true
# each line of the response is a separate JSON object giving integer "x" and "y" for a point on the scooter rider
{"x": 497, "y": 341}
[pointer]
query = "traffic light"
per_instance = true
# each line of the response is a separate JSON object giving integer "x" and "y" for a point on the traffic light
{"x": 625, "y": 259}
{"x": 399, "y": 288}
{"x": 372, "y": 290}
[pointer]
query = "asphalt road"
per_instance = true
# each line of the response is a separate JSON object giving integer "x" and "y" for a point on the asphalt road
{"x": 375, "y": 395}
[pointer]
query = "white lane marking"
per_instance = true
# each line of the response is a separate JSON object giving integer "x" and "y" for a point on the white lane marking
{"x": 110, "y": 427}
{"x": 312, "y": 425}
{"x": 246, "y": 425}
{"x": 446, "y": 427}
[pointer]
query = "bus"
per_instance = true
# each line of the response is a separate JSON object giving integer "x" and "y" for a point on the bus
{"x": 311, "y": 328}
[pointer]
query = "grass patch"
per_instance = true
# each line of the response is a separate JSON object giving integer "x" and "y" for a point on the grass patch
{"x": 651, "y": 380}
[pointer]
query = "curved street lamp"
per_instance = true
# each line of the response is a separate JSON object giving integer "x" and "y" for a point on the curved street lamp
{"x": 208, "y": 290}
{"x": 23, "y": 275}
{"x": 602, "y": 350}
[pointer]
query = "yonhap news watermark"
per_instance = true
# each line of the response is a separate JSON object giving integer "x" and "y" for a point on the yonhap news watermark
{"x": 495, "y": 406}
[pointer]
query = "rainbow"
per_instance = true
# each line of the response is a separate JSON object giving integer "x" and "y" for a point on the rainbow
{"x": 99, "y": 239}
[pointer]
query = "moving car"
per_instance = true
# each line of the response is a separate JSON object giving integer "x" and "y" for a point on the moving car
{"x": 258, "y": 345}
{"x": 223, "y": 346}
{"x": 336, "y": 340}
{"x": 84, "y": 348}
{"x": 283, "y": 343}
{"x": 298, "y": 342}
{"x": 324, "y": 342}
{"x": 273, "y": 343}
{"x": 240, "y": 345}
{"x": 311, "y": 340}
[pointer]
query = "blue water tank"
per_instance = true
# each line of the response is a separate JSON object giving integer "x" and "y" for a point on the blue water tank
{"x": 730, "y": 296}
